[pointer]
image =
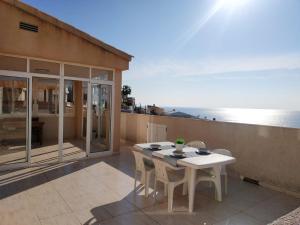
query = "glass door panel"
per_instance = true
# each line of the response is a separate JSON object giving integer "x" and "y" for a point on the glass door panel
{"x": 45, "y": 109}
{"x": 74, "y": 144}
{"x": 84, "y": 108}
{"x": 13, "y": 120}
{"x": 101, "y": 118}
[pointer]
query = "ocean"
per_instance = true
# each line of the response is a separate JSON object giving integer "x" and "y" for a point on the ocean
{"x": 271, "y": 117}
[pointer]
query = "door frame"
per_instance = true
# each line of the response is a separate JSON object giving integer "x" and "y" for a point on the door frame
{"x": 112, "y": 114}
{"x": 70, "y": 78}
{"x": 28, "y": 121}
{"x": 61, "y": 78}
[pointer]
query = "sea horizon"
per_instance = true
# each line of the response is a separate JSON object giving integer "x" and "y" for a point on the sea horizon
{"x": 269, "y": 117}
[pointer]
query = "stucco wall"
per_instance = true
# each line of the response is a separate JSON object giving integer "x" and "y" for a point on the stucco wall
{"x": 50, "y": 42}
{"x": 117, "y": 111}
{"x": 268, "y": 154}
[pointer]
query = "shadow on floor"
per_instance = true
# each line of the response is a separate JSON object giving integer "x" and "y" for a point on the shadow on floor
{"x": 35, "y": 176}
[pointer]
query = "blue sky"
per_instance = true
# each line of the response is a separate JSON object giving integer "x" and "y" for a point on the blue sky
{"x": 198, "y": 53}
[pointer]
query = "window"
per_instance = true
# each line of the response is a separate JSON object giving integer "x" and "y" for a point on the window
{"x": 76, "y": 71}
{"x": 37, "y": 66}
{"x": 13, "y": 95}
{"x": 13, "y": 119}
{"x": 45, "y": 96}
{"x": 99, "y": 74}
{"x": 69, "y": 97}
{"x": 13, "y": 63}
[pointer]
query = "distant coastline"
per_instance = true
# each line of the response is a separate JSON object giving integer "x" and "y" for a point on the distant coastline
{"x": 270, "y": 117}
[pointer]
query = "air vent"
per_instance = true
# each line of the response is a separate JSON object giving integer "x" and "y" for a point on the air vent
{"x": 29, "y": 27}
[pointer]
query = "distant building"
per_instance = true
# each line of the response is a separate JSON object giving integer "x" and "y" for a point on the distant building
{"x": 131, "y": 102}
{"x": 128, "y": 104}
{"x": 154, "y": 110}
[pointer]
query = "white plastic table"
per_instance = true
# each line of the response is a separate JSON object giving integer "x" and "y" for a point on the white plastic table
{"x": 214, "y": 161}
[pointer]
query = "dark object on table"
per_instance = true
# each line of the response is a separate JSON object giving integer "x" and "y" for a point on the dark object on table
{"x": 178, "y": 156}
{"x": 153, "y": 149}
{"x": 155, "y": 146}
{"x": 203, "y": 152}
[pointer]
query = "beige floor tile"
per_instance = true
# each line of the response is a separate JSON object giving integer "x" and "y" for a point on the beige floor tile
{"x": 19, "y": 217}
{"x": 100, "y": 191}
{"x": 135, "y": 218}
{"x": 217, "y": 210}
{"x": 45, "y": 211}
{"x": 273, "y": 208}
{"x": 78, "y": 203}
{"x": 140, "y": 201}
{"x": 92, "y": 216}
{"x": 120, "y": 207}
{"x": 14, "y": 203}
{"x": 63, "y": 219}
{"x": 180, "y": 215}
{"x": 102, "y": 199}
{"x": 240, "y": 219}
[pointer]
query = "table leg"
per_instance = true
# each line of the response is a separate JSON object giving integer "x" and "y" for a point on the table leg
{"x": 191, "y": 186}
{"x": 217, "y": 172}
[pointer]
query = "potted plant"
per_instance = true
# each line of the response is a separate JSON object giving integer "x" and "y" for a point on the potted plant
{"x": 179, "y": 144}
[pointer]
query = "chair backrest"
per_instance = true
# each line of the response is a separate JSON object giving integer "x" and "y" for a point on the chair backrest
{"x": 160, "y": 170}
{"x": 196, "y": 144}
{"x": 139, "y": 162}
{"x": 222, "y": 151}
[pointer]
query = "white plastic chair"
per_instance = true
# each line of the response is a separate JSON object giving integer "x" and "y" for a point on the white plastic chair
{"x": 144, "y": 169}
{"x": 196, "y": 144}
{"x": 171, "y": 177}
{"x": 208, "y": 174}
{"x": 223, "y": 169}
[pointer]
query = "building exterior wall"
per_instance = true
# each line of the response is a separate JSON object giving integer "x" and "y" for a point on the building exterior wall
{"x": 57, "y": 41}
{"x": 50, "y": 42}
{"x": 117, "y": 111}
{"x": 268, "y": 154}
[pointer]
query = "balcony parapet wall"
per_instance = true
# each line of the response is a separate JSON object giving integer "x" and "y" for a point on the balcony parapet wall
{"x": 268, "y": 154}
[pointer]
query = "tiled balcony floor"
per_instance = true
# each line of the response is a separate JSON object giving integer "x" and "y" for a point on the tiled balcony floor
{"x": 100, "y": 191}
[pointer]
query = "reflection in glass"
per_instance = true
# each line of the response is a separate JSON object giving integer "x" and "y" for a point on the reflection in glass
{"x": 84, "y": 108}
{"x": 74, "y": 143}
{"x": 101, "y": 118}
{"x": 69, "y": 97}
{"x": 45, "y": 105}
{"x": 45, "y": 96}
{"x": 100, "y": 74}
{"x": 13, "y": 117}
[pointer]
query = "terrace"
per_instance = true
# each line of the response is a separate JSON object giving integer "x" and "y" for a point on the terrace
{"x": 66, "y": 148}
{"x": 100, "y": 191}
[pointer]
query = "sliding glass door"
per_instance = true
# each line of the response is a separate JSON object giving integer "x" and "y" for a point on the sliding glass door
{"x": 45, "y": 118}
{"x": 101, "y": 101}
{"x": 53, "y": 111}
{"x": 13, "y": 120}
{"x": 75, "y": 116}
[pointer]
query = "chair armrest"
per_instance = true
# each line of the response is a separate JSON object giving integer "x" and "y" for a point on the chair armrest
{"x": 174, "y": 167}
